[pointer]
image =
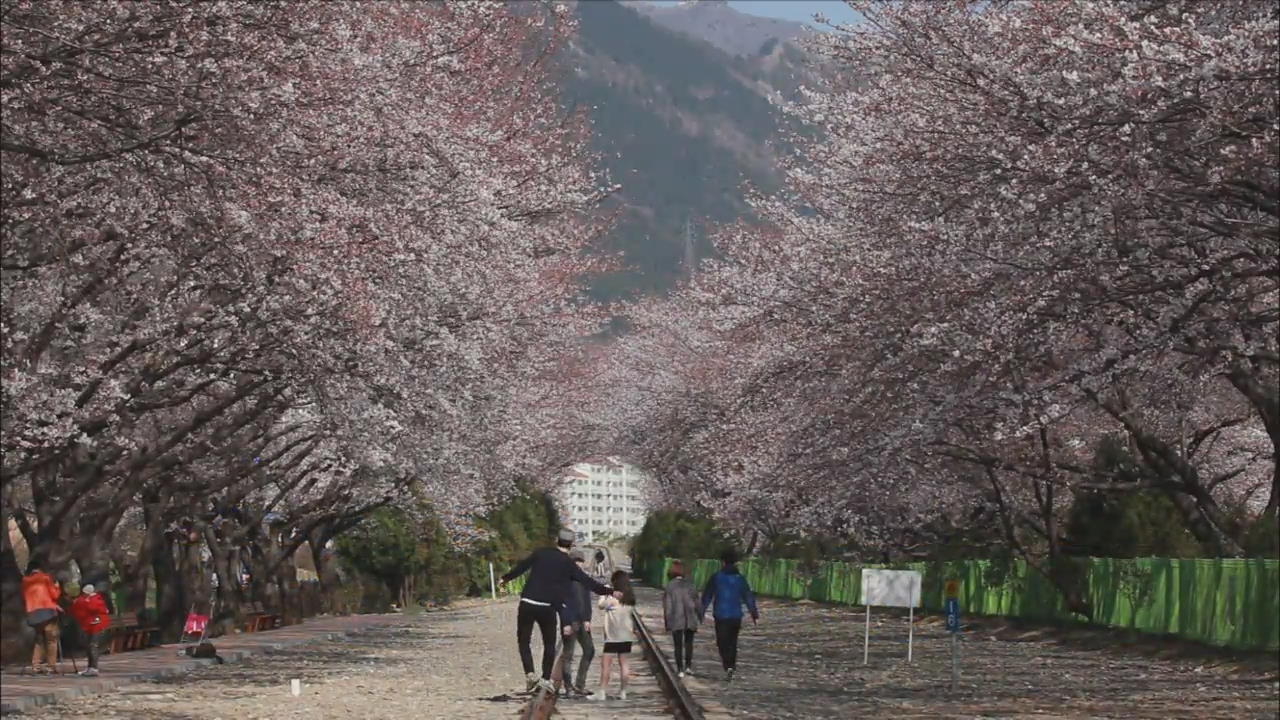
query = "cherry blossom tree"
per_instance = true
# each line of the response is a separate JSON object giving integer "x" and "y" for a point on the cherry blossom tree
{"x": 269, "y": 266}
{"x": 1093, "y": 184}
{"x": 1021, "y": 227}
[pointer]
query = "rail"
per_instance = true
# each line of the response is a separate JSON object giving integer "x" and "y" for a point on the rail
{"x": 543, "y": 702}
{"x": 682, "y": 704}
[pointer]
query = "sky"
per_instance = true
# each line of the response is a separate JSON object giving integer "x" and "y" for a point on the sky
{"x": 798, "y": 10}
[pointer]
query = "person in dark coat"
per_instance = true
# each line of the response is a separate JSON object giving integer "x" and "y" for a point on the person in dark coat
{"x": 545, "y": 598}
{"x": 681, "y": 613}
{"x": 579, "y": 634}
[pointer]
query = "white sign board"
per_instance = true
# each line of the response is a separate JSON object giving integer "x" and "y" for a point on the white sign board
{"x": 891, "y": 588}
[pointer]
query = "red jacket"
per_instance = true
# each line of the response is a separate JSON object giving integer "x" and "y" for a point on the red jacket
{"x": 90, "y": 612}
{"x": 40, "y": 592}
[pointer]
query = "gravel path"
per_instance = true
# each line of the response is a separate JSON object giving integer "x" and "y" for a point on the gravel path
{"x": 459, "y": 663}
{"x": 804, "y": 660}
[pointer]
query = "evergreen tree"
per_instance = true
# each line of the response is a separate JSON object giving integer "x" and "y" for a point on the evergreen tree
{"x": 1125, "y": 523}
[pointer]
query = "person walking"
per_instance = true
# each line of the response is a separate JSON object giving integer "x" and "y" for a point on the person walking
{"x": 579, "y": 634}
{"x": 729, "y": 591}
{"x": 619, "y": 634}
{"x": 546, "y": 596}
{"x": 40, "y": 595}
{"x": 89, "y": 610}
{"x": 681, "y": 615}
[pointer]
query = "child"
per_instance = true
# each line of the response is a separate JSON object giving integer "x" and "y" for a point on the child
{"x": 90, "y": 612}
{"x": 619, "y": 633}
{"x": 680, "y": 613}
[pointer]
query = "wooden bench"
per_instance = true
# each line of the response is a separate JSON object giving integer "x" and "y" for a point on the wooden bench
{"x": 259, "y": 619}
{"x": 129, "y": 634}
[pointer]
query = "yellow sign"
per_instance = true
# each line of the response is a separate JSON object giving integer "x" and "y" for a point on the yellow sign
{"x": 951, "y": 589}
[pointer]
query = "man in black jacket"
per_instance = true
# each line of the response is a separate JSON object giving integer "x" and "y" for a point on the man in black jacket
{"x": 545, "y": 595}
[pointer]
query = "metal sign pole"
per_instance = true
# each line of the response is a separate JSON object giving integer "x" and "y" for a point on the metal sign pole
{"x": 866, "y": 635}
{"x": 952, "y": 593}
{"x": 911, "y": 630}
{"x": 493, "y": 588}
{"x": 955, "y": 661}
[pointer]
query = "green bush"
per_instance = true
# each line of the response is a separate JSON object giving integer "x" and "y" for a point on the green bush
{"x": 1125, "y": 524}
{"x": 1262, "y": 540}
{"x": 386, "y": 546}
{"x": 412, "y": 558}
{"x": 674, "y": 534}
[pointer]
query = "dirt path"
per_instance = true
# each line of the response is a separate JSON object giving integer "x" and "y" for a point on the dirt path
{"x": 458, "y": 664}
{"x": 804, "y": 660}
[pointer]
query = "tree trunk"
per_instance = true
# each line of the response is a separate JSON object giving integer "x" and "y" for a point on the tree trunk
{"x": 171, "y": 598}
{"x": 261, "y": 584}
{"x": 135, "y": 576}
{"x": 197, "y": 591}
{"x": 1059, "y": 567}
{"x": 291, "y": 611}
{"x": 1201, "y": 513}
{"x": 47, "y": 541}
{"x": 153, "y": 545}
{"x": 1273, "y": 501}
{"x": 224, "y": 565}
{"x": 1069, "y": 575}
{"x": 16, "y": 644}
{"x": 317, "y": 539}
{"x": 1266, "y": 400}
{"x": 230, "y": 599}
{"x": 1199, "y": 517}
{"x": 91, "y": 555}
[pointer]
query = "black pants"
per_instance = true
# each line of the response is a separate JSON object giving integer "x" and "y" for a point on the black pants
{"x": 583, "y": 638}
{"x": 548, "y": 623}
{"x": 93, "y": 648}
{"x": 727, "y": 641}
{"x": 683, "y": 641}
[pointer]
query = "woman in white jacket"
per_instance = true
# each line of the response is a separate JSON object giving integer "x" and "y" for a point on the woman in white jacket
{"x": 619, "y": 633}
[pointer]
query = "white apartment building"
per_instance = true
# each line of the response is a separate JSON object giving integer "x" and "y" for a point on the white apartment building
{"x": 603, "y": 496}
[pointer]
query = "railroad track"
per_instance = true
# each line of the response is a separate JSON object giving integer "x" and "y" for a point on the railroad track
{"x": 655, "y": 692}
{"x": 679, "y": 702}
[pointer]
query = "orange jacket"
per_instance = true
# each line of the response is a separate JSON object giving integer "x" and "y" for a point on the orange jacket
{"x": 90, "y": 612}
{"x": 40, "y": 592}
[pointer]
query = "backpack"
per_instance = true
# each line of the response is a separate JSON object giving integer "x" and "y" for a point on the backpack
{"x": 204, "y": 651}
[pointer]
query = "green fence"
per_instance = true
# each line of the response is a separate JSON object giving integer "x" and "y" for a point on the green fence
{"x": 1229, "y": 602}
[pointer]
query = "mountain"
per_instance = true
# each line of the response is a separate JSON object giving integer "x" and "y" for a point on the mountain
{"x": 713, "y": 21}
{"x": 681, "y": 122}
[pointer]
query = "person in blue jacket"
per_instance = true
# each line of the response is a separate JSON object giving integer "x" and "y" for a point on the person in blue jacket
{"x": 726, "y": 592}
